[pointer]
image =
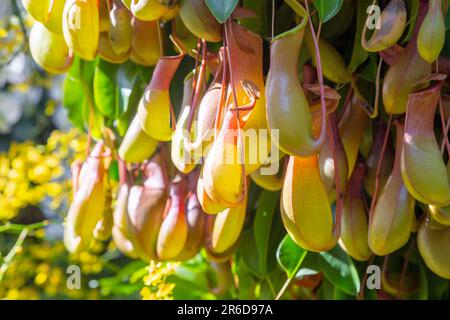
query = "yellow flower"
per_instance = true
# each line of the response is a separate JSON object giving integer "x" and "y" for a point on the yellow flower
{"x": 54, "y": 189}
{"x": 34, "y": 155}
{"x": 13, "y": 294}
{"x": 40, "y": 233}
{"x": 40, "y": 174}
{"x": 28, "y": 172}
{"x": 3, "y": 33}
{"x": 165, "y": 290}
{"x": 156, "y": 287}
{"x": 147, "y": 294}
{"x": 40, "y": 278}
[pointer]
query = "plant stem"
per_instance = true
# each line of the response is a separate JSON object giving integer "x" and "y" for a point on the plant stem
{"x": 272, "y": 289}
{"x": 364, "y": 279}
{"x": 198, "y": 86}
{"x": 404, "y": 270}
{"x": 12, "y": 253}
{"x": 8, "y": 226}
{"x": 379, "y": 166}
{"x": 291, "y": 277}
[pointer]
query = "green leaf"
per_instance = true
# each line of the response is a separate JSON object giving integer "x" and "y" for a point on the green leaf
{"x": 133, "y": 101}
{"x": 290, "y": 256}
{"x": 130, "y": 97}
{"x": 74, "y": 101}
{"x": 262, "y": 225}
{"x": 191, "y": 280}
{"x": 113, "y": 86}
{"x": 310, "y": 265}
{"x": 105, "y": 87}
{"x": 127, "y": 282}
{"x": 327, "y": 9}
{"x": 338, "y": 294}
{"x": 413, "y": 9}
{"x": 447, "y": 19}
{"x": 341, "y": 22}
{"x": 326, "y": 290}
{"x": 127, "y": 77}
{"x": 275, "y": 279}
{"x": 114, "y": 170}
{"x": 423, "y": 291}
{"x": 277, "y": 234}
{"x": 73, "y": 98}
{"x": 247, "y": 283}
{"x": 368, "y": 70}
{"x": 339, "y": 269}
{"x": 78, "y": 98}
{"x": 284, "y": 18}
{"x": 266, "y": 291}
{"x": 437, "y": 287}
{"x": 249, "y": 253}
{"x": 260, "y": 24}
{"x": 221, "y": 9}
{"x": 359, "y": 55}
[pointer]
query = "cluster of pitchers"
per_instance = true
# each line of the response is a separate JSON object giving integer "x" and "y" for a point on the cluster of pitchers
{"x": 335, "y": 188}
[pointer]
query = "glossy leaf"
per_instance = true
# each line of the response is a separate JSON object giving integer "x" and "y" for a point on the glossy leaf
{"x": 327, "y": 9}
{"x": 260, "y": 24}
{"x": 249, "y": 253}
{"x": 222, "y": 10}
{"x": 262, "y": 225}
{"x": 105, "y": 88}
{"x": 413, "y": 8}
{"x": 341, "y": 22}
{"x": 113, "y": 87}
{"x": 78, "y": 91}
{"x": 447, "y": 20}
{"x": 73, "y": 101}
{"x": 339, "y": 269}
{"x": 359, "y": 55}
{"x": 290, "y": 256}
{"x": 247, "y": 282}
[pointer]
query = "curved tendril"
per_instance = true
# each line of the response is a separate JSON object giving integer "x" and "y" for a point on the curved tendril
{"x": 379, "y": 166}
{"x": 374, "y": 111}
{"x": 362, "y": 286}
{"x": 222, "y": 89}
{"x": 337, "y": 180}
{"x": 404, "y": 269}
{"x": 444, "y": 123}
{"x": 230, "y": 69}
{"x": 197, "y": 58}
{"x": 364, "y": 32}
{"x": 323, "y": 129}
{"x": 198, "y": 86}
{"x": 252, "y": 92}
